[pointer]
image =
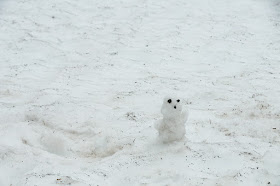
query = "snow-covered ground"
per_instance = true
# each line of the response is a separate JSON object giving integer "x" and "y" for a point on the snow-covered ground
{"x": 82, "y": 83}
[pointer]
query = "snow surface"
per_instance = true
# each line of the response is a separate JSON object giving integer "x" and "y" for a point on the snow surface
{"x": 82, "y": 82}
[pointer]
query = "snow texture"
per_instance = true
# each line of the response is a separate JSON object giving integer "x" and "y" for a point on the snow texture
{"x": 172, "y": 126}
{"x": 81, "y": 84}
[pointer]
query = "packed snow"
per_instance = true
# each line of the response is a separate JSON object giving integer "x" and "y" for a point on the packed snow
{"x": 82, "y": 83}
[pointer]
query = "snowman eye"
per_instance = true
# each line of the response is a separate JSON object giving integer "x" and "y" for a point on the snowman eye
{"x": 178, "y": 100}
{"x": 169, "y": 101}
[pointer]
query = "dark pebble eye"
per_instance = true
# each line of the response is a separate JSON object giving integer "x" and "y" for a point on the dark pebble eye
{"x": 169, "y": 101}
{"x": 175, "y": 107}
{"x": 178, "y": 100}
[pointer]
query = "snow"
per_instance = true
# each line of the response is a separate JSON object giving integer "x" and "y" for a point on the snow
{"x": 82, "y": 82}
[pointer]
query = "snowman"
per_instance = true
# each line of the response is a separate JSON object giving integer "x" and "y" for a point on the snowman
{"x": 172, "y": 126}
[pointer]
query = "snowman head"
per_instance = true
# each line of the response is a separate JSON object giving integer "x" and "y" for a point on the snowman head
{"x": 171, "y": 107}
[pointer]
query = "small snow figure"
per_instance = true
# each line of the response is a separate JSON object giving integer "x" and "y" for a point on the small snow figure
{"x": 172, "y": 126}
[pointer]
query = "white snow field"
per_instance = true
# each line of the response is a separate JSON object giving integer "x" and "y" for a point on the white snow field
{"x": 82, "y": 83}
